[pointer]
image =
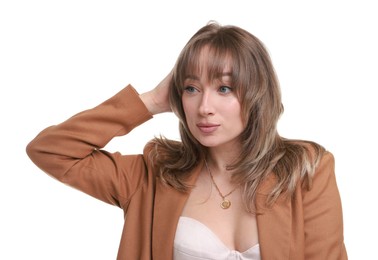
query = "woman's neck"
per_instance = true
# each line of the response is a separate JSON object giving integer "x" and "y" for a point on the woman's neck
{"x": 220, "y": 159}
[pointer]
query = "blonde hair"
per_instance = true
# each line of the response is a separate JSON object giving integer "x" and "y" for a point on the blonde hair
{"x": 264, "y": 152}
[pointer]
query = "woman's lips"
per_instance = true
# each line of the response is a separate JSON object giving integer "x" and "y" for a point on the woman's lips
{"x": 207, "y": 128}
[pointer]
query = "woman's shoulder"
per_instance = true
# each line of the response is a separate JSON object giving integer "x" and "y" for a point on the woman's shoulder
{"x": 161, "y": 149}
{"x": 320, "y": 165}
{"x": 161, "y": 145}
{"x": 310, "y": 151}
{"x": 316, "y": 153}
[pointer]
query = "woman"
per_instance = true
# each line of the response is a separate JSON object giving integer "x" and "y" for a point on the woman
{"x": 231, "y": 189}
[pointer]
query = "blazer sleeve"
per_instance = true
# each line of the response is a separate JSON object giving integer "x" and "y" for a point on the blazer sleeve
{"x": 71, "y": 151}
{"x": 323, "y": 221}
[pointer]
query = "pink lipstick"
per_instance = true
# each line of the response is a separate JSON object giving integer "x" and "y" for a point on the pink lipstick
{"x": 207, "y": 128}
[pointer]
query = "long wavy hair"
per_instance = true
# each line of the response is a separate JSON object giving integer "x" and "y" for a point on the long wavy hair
{"x": 263, "y": 151}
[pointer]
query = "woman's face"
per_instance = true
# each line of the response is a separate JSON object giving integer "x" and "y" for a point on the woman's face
{"x": 212, "y": 109}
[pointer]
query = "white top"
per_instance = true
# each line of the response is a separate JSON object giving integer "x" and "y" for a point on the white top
{"x": 195, "y": 241}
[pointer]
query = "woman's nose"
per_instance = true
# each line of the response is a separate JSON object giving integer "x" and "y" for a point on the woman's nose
{"x": 206, "y": 105}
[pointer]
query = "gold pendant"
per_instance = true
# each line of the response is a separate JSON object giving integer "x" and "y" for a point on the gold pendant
{"x": 225, "y": 204}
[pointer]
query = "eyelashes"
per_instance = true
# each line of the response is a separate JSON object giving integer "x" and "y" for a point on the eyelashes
{"x": 221, "y": 89}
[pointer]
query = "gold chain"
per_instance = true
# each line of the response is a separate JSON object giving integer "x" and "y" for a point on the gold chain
{"x": 225, "y": 204}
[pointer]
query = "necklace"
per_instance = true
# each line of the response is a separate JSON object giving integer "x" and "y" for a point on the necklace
{"x": 225, "y": 204}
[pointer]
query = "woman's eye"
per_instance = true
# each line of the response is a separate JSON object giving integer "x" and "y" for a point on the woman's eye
{"x": 225, "y": 89}
{"x": 190, "y": 89}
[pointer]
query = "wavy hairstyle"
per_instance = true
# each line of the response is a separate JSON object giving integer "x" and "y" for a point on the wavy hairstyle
{"x": 263, "y": 151}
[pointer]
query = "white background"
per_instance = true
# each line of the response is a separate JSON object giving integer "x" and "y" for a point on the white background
{"x": 60, "y": 57}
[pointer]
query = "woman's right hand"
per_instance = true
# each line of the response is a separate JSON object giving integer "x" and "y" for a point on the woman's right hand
{"x": 157, "y": 99}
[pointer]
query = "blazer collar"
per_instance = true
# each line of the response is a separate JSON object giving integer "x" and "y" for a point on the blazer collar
{"x": 168, "y": 207}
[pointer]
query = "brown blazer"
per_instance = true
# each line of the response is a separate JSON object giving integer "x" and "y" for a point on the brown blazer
{"x": 307, "y": 227}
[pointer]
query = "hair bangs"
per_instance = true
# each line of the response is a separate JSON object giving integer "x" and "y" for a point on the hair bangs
{"x": 211, "y": 59}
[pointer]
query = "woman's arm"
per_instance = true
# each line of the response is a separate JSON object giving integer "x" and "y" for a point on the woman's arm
{"x": 71, "y": 151}
{"x": 323, "y": 220}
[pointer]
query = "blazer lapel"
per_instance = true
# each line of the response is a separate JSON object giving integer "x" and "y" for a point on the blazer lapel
{"x": 274, "y": 224}
{"x": 168, "y": 207}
